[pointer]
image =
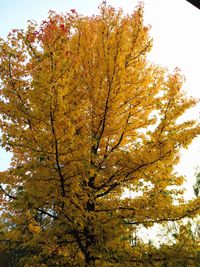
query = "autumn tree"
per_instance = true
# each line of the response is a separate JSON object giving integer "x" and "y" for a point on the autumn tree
{"x": 88, "y": 118}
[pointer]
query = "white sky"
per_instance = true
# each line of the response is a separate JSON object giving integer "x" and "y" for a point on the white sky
{"x": 175, "y": 30}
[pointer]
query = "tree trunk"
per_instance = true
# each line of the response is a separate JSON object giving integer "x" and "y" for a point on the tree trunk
{"x": 90, "y": 238}
{"x": 89, "y": 260}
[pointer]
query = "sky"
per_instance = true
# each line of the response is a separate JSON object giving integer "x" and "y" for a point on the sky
{"x": 175, "y": 31}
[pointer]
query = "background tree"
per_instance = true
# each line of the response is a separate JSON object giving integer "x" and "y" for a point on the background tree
{"x": 87, "y": 117}
{"x": 197, "y": 184}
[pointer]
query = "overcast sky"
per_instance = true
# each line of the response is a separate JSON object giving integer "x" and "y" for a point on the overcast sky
{"x": 175, "y": 30}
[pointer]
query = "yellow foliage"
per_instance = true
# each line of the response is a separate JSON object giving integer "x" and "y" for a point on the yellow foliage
{"x": 34, "y": 228}
{"x": 86, "y": 117}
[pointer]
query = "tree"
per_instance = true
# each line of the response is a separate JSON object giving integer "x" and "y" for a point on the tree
{"x": 87, "y": 118}
{"x": 196, "y": 186}
{"x": 178, "y": 245}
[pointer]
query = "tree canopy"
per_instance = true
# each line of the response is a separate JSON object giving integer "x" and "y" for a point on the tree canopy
{"x": 88, "y": 118}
